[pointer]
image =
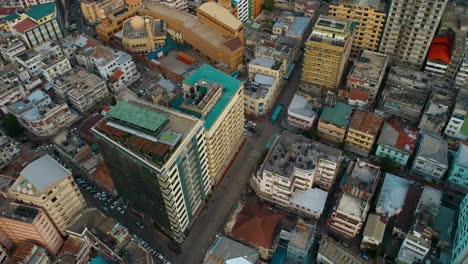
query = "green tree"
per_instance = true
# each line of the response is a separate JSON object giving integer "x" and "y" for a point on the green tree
{"x": 268, "y": 5}
{"x": 12, "y": 126}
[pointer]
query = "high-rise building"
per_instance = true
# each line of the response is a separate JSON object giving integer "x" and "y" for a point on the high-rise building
{"x": 46, "y": 184}
{"x": 327, "y": 51}
{"x": 460, "y": 243}
{"x": 218, "y": 98}
{"x": 458, "y": 173}
{"x": 369, "y": 16}
{"x": 158, "y": 161}
{"x": 409, "y": 30}
{"x": 22, "y": 223}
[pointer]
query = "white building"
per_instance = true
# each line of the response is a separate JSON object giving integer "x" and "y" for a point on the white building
{"x": 10, "y": 47}
{"x": 301, "y": 113}
{"x": 431, "y": 161}
{"x": 9, "y": 150}
{"x": 242, "y": 9}
{"x": 117, "y": 68}
{"x": 11, "y": 89}
{"x": 456, "y": 127}
{"x": 309, "y": 203}
{"x": 41, "y": 116}
{"x": 37, "y": 59}
{"x": 54, "y": 67}
{"x": 295, "y": 164}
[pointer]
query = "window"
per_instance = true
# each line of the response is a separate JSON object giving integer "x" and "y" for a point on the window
{"x": 54, "y": 199}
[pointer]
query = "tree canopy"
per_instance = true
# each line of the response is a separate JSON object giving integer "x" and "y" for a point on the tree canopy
{"x": 12, "y": 126}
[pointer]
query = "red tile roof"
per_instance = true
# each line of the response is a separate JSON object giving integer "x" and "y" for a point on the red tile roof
{"x": 4, "y": 11}
{"x": 440, "y": 49}
{"x": 365, "y": 121}
{"x": 256, "y": 225}
{"x": 234, "y": 43}
{"x": 24, "y": 25}
{"x": 359, "y": 95}
{"x": 407, "y": 138}
{"x": 117, "y": 74}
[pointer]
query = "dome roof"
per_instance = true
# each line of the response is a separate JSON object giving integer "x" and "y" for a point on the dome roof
{"x": 137, "y": 22}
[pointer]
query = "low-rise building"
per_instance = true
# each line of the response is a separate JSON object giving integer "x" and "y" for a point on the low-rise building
{"x": 83, "y": 89}
{"x": 392, "y": 196}
{"x": 117, "y": 68}
{"x": 30, "y": 253}
{"x": 309, "y": 203}
{"x": 367, "y": 73}
{"x": 331, "y": 252}
{"x": 298, "y": 242}
{"x": 295, "y": 164}
{"x": 218, "y": 98}
{"x": 142, "y": 35}
{"x": 353, "y": 203}
{"x": 437, "y": 111}
{"x": 11, "y": 87}
{"x": 54, "y": 67}
{"x": 41, "y": 58}
{"x": 431, "y": 160}
{"x": 396, "y": 142}
{"x": 333, "y": 122}
{"x": 46, "y": 184}
{"x": 22, "y": 223}
{"x": 292, "y": 26}
{"x": 457, "y": 126}
{"x": 362, "y": 132}
{"x": 458, "y": 172}
{"x": 256, "y": 226}
{"x": 9, "y": 150}
{"x": 300, "y": 112}
{"x": 43, "y": 117}
{"x": 10, "y": 47}
{"x": 405, "y": 93}
{"x": 265, "y": 76}
{"x": 37, "y": 24}
{"x": 227, "y": 250}
{"x": 373, "y": 232}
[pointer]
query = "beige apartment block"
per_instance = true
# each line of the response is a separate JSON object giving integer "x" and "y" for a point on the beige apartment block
{"x": 369, "y": 16}
{"x": 327, "y": 51}
{"x": 409, "y": 30}
{"x": 90, "y": 9}
{"x": 46, "y": 184}
{"x": 362, "y": 132}
{"x": 141, "y": 35}
{"x": 22, "y": 223}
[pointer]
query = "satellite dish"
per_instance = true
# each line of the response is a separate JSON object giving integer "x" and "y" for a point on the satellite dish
{"x": 29, "y": 185}
{"x": 24, "y": 190}
{"x": 30, "y": 192}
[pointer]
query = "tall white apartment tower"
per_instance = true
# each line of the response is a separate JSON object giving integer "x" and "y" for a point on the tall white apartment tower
{"x": 410, "y": 27}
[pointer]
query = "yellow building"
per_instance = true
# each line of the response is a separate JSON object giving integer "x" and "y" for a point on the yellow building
{"x": 90, "y": 9}
{"x": 217, "y": 98}
{"x": 142, "y": 35}
{"x": 333, "y": 123}
{"x": 369, "y": 16}
{"x": 362, "y": 132}
{"x": 112, "y": 21}
{"x": 220, "y": 19}
{"x": 46, "y": 184}
{"x": 223, "y": 47}
{"x": 327, "y": 51}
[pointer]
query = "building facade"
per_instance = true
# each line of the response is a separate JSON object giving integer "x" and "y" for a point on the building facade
{"x": 458, "y": 172}
{"x": 460, "y": 243}
{"x": 112, "y": 21}
{"x": 168, "y": 153}
{"x": 218, "y": 98}
{"x": 141, "y": 35}
{"x": 367, "y": 73}
{"x": 369, "y": 17}
{"x": 46, "y": 184}
{"x": 22, "y": 223}
{"x": 333, "y": 122}
{"x": 457, "y": 126}
{"x": 362, "y": 132}
{"x": 327, "y": 51}
{"x": 91, "y": 9}
{"x": 9, "y": 150}
{"x": 10, "y": 47}
{"x": 409, "y": 30}
{"x": 431, "y": 161}
{"x": 353, "y": 203}
{"x": 396, "y": 143}
{"x": 38, "y": 24}
{"x": 265, "y": 77}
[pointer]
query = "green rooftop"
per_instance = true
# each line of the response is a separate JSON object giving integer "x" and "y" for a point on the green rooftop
{"x": 39, "y": 11}
{"x": 169, "y": 138}
{"x": 464, "y": 127}
{"x": 338, "y": 115}
{"x": 138, "y": 116}
{"x": 229, "y": 85}
{"x": 12, "y": 17}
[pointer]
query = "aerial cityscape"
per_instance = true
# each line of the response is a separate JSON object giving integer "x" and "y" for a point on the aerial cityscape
{"x": 233, "y": 131}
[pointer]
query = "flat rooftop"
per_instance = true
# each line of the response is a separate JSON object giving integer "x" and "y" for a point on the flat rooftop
{"x": 18, "y": 212}
{"x": 392, "y": 195}
{"x": 176, "y": 66}
{"x": 92, "y": 218}
{"x": 434, "y": 147}
{"x": 302, "y": 235}
{"x": 300, "y": 105}
{"x": 293, "y": 150}
{"x": 230, "y": 86}
{"x": 331, "y": 30}
{"x": 339, "y": 115}
{"x": 260, "y": 86}
{"x": 78, "y": 77}
{"x": 401, "y": 75}
{"x": 374, "y": 4}
{"x": 369, "y": 66}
